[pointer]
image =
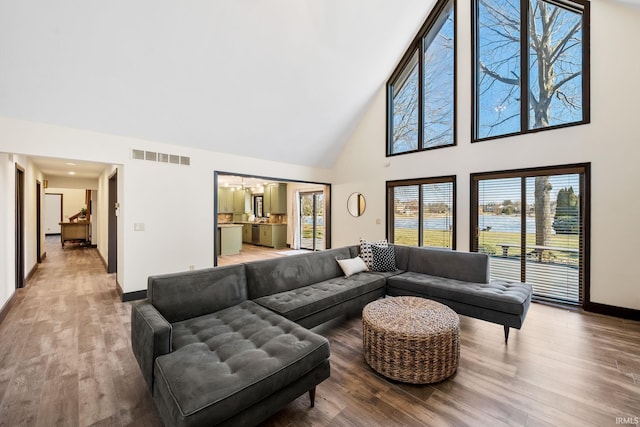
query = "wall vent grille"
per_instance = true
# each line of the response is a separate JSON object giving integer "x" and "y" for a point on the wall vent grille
{"x": 153, "y": 156}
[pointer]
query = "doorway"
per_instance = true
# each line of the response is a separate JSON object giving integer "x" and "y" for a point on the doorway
{"x": 19, "y": 228}
{"x": 312, "y": 227}
{"x": 112, "y": 262}
{"x": 533, "y": 224}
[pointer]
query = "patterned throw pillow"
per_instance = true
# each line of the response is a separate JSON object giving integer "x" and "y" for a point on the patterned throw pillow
{"x": 365, "y": 250}
{"x": 384, "y": 259}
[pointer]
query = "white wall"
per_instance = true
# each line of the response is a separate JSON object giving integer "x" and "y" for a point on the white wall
{"x": 8, "y": 164}
{"x": 174, "y": 202}
{"x": 7, "y": 228}
{"x": 610, "y": 142}
{"x": 72, "y": 200}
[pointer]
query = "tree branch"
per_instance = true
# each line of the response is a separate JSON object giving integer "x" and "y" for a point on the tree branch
{"x": 497, "y": 76}
{"x": 564, "y": 81}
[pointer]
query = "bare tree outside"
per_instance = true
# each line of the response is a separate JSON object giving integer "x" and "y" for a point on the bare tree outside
{"x": 554, "y": 95}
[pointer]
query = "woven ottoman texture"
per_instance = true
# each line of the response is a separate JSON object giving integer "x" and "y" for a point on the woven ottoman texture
{"x": 411, "y": 339}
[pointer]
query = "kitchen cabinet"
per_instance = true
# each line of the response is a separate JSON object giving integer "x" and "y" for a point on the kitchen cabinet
{"x": 275, "y": 199}
{"x": 246, "y": 233}
{"x": 273, "y": 235}
{"x": 225, "y": 200}
{"x": 229, "y": 239}
{"x": 241, "y": 201}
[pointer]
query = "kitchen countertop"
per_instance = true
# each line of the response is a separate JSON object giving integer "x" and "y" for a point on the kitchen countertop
{"x": 224, "y": 225}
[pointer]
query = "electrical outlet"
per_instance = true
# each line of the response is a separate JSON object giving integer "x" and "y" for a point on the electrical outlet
{"x": 378, "y": 221}
{"x": 192, "y": 267}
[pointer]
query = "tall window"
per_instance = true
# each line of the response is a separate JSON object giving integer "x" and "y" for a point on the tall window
{"x": 531, "y": 67}
{"x": 532, "y": 225}
{"x": 421, "y": 212}
{"x": 421, "y": 92}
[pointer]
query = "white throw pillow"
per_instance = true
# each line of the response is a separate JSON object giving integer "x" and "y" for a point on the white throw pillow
{"x": 352, "y": 266}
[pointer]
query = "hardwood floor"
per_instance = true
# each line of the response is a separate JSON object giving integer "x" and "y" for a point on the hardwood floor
{"x": 65, "y": 359}
{"x": 253, "y": 253}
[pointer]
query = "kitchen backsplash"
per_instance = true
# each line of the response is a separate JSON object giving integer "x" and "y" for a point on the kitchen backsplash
{"x": 273, "y": 218}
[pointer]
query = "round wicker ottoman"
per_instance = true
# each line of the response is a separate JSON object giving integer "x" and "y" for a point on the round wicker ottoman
{"x": 411, "y": 339}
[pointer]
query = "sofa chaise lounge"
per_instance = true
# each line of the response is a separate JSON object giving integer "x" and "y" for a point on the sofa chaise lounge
{"x": 229, "y": 345}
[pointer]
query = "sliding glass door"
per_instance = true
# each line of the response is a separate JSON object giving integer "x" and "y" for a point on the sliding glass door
{"x": 312, "y": 226}
{"x": 532, "y": 225}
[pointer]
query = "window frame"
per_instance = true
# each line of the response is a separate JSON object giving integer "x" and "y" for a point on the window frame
{"x": 582, "y": 6}
{"x": 417, "y": 48}
{"x": 577, "y": 168}
{"x": 390, "y": 185}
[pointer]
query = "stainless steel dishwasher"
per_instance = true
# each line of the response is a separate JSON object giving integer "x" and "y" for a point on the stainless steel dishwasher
{"x": 255, "y": 234}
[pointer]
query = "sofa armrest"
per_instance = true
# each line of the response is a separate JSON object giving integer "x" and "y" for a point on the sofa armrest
{"x": 150, "y": 337}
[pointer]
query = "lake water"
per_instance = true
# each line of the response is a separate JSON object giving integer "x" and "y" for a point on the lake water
{"x": 496, "y": 222}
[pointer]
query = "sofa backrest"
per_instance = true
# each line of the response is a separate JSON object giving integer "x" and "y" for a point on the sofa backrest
{"x": 180, "y": 296}
{"x": 459, "y": 265}
{"x": 402, "y": 256}
{"x": 268, "y": 277}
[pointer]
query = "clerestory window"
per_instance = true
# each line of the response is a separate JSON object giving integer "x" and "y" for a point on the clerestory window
{"x": 531, "y": 66}
{"x": 421, "y": 91}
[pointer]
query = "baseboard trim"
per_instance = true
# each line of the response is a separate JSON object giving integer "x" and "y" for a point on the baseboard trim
{"x": 43, "y": 256}
{"x": 612, "y": 310}
{"x": 31, "y": 273}
{"x": 7, "y": 306}
{"x": 132, "y": 296}
{"x": 104, "y": 262}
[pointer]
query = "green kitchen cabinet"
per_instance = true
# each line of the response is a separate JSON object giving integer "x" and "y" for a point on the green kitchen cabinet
{"x": 225, "y": 200}
{"x": 275, "y": 199}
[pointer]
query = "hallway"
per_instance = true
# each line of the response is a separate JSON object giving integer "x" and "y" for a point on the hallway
{"x": 65, "y": 355}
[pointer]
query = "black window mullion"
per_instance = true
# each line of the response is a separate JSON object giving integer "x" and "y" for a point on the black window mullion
{"x": 523, "y": 229}
{"x": 420, "y": 94}
{"x": 524, "y": 65}
{"x": 420, "y": 216}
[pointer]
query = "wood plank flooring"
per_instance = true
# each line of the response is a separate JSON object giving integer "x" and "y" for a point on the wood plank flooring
{"x": 251, "y": 252}
{"x": 66, "y": 360}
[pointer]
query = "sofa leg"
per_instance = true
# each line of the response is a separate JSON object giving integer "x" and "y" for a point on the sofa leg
{"x": 312, "y": 397}
{"x": 506, "y": 334}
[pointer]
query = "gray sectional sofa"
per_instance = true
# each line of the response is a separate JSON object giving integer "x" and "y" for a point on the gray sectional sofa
{"x": 229, "y": 345}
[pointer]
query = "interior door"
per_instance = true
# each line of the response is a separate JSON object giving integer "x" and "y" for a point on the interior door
{"x": 20, "y": 270}
{"x": 312, "y": 225}
{"x": 112, "y": 262}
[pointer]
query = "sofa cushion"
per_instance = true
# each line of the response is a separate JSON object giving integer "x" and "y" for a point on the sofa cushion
{"x": 227, "y": 361}
{"x": 283, "y": 274}
{"x": 184, "y": 295}
{"x": 459, "y": 265}
{"x": 365, "y": 250}
{"x": 302, "y": 302}
{"x": 384, "y": 258}
{"x": 352, "y": 266}
{"x": 499, "y": 295}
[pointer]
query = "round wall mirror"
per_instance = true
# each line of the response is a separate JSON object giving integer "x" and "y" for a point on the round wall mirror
{"x": 356, "y": 204}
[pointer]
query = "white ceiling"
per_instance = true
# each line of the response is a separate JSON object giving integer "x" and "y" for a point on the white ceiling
{"x": 68, "y": 167}
{"x": 282, "y": 80}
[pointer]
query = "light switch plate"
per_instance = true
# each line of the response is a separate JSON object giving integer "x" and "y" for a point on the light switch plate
{"x": 138, "y": 226}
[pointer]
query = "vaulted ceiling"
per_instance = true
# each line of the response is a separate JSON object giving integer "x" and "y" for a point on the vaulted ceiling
{"x": 283, "y": 80}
